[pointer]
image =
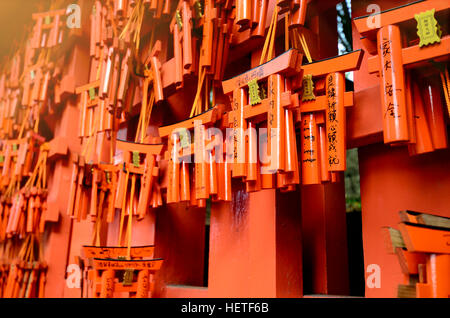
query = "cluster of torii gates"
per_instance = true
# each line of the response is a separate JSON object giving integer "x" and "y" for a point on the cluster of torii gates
{"x": 303, "y": 107}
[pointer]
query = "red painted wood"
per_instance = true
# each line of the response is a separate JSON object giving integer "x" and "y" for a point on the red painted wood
{"x": 391, "y": 181}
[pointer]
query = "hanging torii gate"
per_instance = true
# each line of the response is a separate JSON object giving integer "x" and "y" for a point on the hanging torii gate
{"x": 403, "y": 181}
{"x": 249, "y": 109}
{"x": 404, "y": 119}
{"x": 109, "y": 261}
{"x": 323, "y": 118}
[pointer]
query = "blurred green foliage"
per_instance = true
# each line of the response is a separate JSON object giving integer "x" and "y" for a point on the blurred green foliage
{"x": 352, "y": 191}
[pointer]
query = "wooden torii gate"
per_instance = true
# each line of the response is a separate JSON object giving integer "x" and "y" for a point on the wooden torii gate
{"x": 183, "y": 45}
{"x": 48, "y": 31}
{"x": 322, "y": 118}
{"x": 139, "y": 161}
{"x": 112, "y": 273}
{"x": 249, "y": 109}
{"x": 404, "y": 113}
{"x": 211, "y": 177}
{"x": 421, "y": 244}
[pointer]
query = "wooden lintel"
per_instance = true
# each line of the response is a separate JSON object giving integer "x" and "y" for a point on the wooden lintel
{"x": 87, "y": 86}
{"x": 53, "y": 13}
{"x": 120, "y": 264}
{"x": 425, "y": 238}
{"x": 341, "y": 63}
{"x": 415, "y": 54}
{"x": 365, "y": 24}
{"x": 206, "y": 117}
{"x": 321, "y": 103}
{"x": 287, "y": 63}
{"x": 154, "y": 149}
{"x": 117, "y": 251}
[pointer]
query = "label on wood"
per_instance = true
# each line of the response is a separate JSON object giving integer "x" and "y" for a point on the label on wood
{"x": 115, "y": 252}
{"x": 392, "y": 88}
{"x": 335, "y": 122}
{"x": 309, "y": 155}
{"x": 428, "y": 29}
{"x": 116, "y": 264}
{"x": 185, "y": 140}
{"x": 253, "y": 91}
{"x": 308, "y": 88}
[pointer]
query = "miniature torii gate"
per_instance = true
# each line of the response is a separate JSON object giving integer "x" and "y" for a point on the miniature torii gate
{"x": 94, "y": 121}
{"x": 94, "y": 116}
{"x": 134, "y": 153}
{"x": 78, "y": 194}
{"x": 252, "y": 14}
{"x": 48, "y": 29}
{"x": 323, "y": 128}
{"x": 153, "y": 73}
{"x": 400, "y": 119}
{"x": 280, "y": 125}
{"x": 92, "y": 187}
{"x": 27, "y": 213}
{"x": 35, "y": 87}
{"x": 104, "y": 186}
{"x": 9, "y": 98}
{"x": 206, "y": 61}
{"x": 98, "y": 102}
{"x": 181, "y": 27}
{"x": 206, "y": 51}
{"x": 108, "y": 261}
{"x": 15, "y": 152}
{"x": 97, "y": 96}
{"x": 433, "y": 241}
{"x": 23, "y": 216}
{"x": 296, "y": 9}
{"x": 18, "y": 155}
{"x": 94, "y": 100}
{"x": 139, "y": 160}
{"x": 21, "y": 279}
{"x": 422, "y": 247}
{"x": 211, "y": 177}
